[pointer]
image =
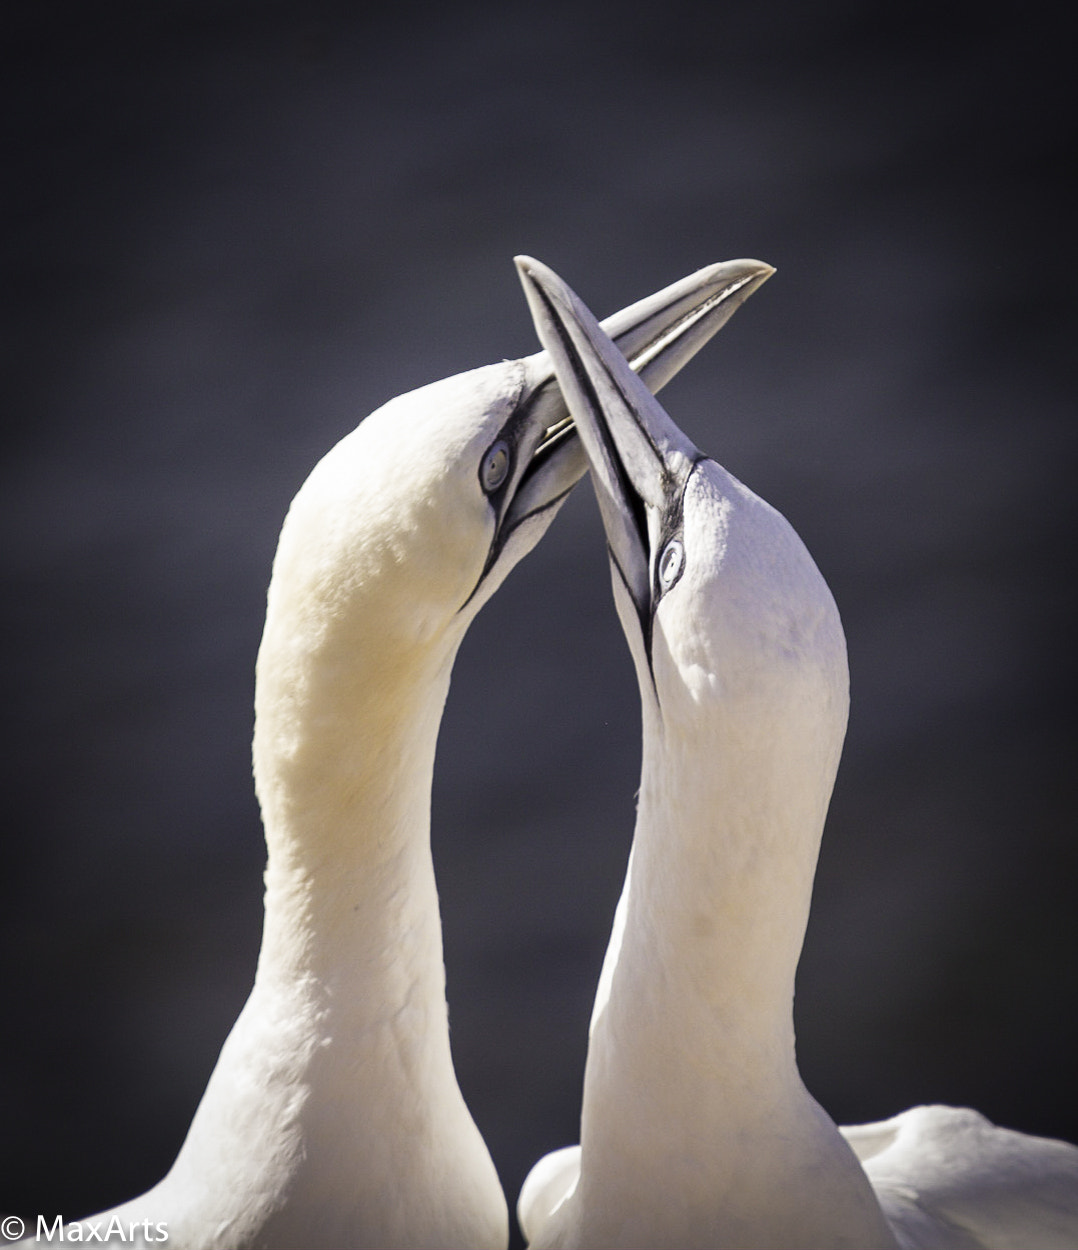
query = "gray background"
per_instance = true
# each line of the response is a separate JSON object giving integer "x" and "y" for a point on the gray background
{"x": 231, "y": 230}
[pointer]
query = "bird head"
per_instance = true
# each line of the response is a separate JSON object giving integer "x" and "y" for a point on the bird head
{"x": 411, "y": 521}
{"x": 723, "y": 607}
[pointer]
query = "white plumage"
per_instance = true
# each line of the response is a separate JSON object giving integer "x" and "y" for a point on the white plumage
{"x": 333, "y": 1117}
{"x": 696, "y": 1129}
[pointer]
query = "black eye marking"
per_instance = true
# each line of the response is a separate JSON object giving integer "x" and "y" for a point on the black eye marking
{"x": 672, "y": 557}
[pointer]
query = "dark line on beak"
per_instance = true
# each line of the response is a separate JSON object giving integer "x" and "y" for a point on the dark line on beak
{"x": 630, "y": 495}
{"x": 645, "y": 618}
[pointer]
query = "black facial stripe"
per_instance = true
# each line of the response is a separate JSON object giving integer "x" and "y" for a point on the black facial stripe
{"x": 672, "y": 527}
{"x": 501, "y": 497}
{"x": 644, "y": 614}
{"x": 510, "y": 433}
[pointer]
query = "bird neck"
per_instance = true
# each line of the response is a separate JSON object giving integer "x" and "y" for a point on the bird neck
{"x": 336, "y": 1085}
{"x": 345, "y": 738}
{"x": 693, "y": 1103}
{"x": 716, "y": 903}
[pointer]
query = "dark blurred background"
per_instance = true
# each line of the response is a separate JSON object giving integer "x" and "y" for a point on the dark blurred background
{"x": 233, "y": 229}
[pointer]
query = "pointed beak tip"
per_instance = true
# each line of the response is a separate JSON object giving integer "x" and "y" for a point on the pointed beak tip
{"x": 759, "y": 272}
{"x": 542, "y": 285}
{"x": 733, "y": 281}
{"x": 741, "y": 272}
{"x": 529, "y": 268}
{"x": 754, "y": 271}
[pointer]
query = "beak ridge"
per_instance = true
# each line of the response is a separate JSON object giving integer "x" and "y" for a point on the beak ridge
{"x": 660, "y": 334}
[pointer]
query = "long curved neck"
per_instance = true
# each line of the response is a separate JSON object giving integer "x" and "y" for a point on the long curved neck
{"x": 694, "y": 1113}
{"x": 333, "y": 1115}
{"x": 344, "y": 765}
{"x": 715, "y": 910}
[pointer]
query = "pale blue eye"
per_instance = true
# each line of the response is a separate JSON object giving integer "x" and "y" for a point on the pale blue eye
{"x": 495, "y": 465}
{"x": 671, "y": 562}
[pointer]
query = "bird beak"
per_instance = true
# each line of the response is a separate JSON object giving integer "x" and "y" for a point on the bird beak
{"x": 657, "y": 335}
{"x": 660, "y": 334}
{"x": 639, "y": 458}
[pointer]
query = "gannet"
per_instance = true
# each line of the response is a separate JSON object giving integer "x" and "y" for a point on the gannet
{"x": 333, "y": 1116}
{"x": 696, "y": 1129}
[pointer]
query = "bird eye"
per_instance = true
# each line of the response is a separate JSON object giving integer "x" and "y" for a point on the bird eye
{"x": 671, "y": 562}
{"x": 495, "y": 465}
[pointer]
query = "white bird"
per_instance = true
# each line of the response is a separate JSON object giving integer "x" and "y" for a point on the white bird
{"x": 696, "y": 1129}
{"x": 333, "y": 1116}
